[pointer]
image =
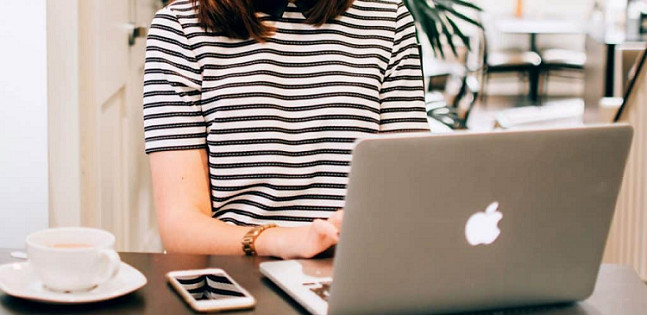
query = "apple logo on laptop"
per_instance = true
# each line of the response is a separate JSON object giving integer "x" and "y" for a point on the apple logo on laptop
{"x": 481, "y": 228}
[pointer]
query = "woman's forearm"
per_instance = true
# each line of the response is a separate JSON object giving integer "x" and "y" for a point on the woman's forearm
{"x": 198, "y": 233}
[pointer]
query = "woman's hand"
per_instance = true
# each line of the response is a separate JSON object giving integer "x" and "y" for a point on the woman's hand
{"x": 301, "y": 242}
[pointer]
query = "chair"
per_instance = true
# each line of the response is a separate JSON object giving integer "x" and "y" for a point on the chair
{"x": 526, "y": 63}
{"x": 562, "y": 60}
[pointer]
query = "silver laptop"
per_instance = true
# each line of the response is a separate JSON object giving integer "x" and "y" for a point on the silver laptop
{"x": 463, "y": 222}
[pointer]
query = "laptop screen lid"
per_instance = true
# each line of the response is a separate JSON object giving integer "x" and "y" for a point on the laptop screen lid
{"x": 404, "y": 246}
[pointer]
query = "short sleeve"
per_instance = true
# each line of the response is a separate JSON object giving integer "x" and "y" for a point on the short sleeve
{"x": 402, "y": 107}
{"x": 173, "y": 118}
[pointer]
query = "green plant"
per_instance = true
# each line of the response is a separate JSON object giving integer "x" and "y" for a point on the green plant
{"x": 439, "y": 19}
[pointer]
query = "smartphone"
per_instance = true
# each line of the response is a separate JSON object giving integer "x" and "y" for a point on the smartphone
{"x": 210, "y": 290}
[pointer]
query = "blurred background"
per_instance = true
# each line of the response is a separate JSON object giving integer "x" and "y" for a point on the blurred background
{"x": 71, "y": 73}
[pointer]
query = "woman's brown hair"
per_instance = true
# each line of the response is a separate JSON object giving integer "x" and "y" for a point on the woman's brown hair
{"x": 239, "y": 19}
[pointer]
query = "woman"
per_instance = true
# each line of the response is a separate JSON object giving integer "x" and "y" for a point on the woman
{"x": 251, "y": 109}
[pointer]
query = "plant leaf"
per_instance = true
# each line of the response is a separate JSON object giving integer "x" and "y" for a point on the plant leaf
{"x": 438, "y": 19}
{"x": 457, "y": 31}
{"x": 449, "y": 36}
{"x": 433, "y": 36}
{"x": 463, "y": 3}
{"x": 459, "y": 15}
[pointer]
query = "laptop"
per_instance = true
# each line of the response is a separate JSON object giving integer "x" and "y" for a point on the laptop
{"x": 466, "y": 222}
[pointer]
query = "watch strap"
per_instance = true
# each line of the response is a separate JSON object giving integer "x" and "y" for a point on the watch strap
{"x": 250, "y": 237}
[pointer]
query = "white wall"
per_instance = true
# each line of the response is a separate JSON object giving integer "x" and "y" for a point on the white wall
{"x": 23, "y": 121}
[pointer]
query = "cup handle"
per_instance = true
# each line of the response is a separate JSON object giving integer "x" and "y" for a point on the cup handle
{"x": 112, "y": 262}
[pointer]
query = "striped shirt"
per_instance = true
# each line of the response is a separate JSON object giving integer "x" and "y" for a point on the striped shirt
{"x": 279, "y": 119}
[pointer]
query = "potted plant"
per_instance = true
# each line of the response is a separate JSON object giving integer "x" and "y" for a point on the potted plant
{"x": 440, "y": 20}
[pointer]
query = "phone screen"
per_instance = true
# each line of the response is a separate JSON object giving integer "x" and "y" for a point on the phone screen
{"x": 215, "y": 286}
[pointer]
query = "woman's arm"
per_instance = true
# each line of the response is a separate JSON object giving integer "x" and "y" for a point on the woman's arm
{"x": 182, "y": 199}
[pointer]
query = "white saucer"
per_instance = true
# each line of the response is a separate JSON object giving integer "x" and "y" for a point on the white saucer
{"x": 18, "y": 280}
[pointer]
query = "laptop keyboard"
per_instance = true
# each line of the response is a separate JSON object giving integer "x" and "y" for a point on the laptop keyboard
{"x": 320, "y": 288}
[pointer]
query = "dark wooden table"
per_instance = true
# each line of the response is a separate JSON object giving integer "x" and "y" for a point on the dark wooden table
{"x": 619, "y": 291}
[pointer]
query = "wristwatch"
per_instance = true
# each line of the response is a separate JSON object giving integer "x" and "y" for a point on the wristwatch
{"x": 250, "y": 238}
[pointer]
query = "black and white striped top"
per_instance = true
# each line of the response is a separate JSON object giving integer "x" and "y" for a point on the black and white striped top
{"x": 279, "y": 119}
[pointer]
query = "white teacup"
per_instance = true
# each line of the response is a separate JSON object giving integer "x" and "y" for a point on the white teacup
{"x": 73, "y": 258}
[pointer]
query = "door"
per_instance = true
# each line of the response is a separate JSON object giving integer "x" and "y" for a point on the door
{"x": 115, "y": 191}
